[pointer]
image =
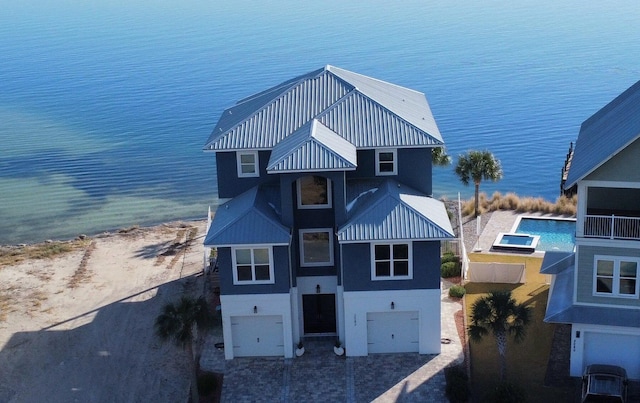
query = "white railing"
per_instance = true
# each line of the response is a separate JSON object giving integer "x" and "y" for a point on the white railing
{"x": 612, "y": 227}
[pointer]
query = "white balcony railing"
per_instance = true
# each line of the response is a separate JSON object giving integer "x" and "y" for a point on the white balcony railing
{"x": 612, "y": 227}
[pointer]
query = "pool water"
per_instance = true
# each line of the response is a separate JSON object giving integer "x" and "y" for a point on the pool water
{"x": 555, "y": 234}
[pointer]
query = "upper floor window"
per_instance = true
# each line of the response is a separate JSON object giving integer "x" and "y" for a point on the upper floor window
{"x": 247, "y": 164}
{"x": 391, "y": 261}
{"x": 252, "y": 265}
{"x": 316, "y": 247}
{"x": 314, "y": 192}
{"x": 616, "y": 276}
{"x": 386, "y": 162}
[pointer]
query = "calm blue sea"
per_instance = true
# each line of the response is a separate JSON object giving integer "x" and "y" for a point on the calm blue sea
{"x": 104, "y": 108}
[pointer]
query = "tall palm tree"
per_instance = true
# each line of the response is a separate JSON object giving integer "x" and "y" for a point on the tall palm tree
{"x": 439, "y": 157}
{"x": 178, "y": 323}
{"x": 499, "y": 314}
{"x": 476, "y": 166}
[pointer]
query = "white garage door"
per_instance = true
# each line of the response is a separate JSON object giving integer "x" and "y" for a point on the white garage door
{"x": 614, "y": 349}
{"x": 255, "y": 336}
{"x": 392, "y": 332}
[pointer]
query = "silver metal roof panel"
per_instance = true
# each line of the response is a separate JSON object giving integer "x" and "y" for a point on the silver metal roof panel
{"x": 396, "y": 212}
{"x": 313, "y": 147}
{"x": 605, "y": 134}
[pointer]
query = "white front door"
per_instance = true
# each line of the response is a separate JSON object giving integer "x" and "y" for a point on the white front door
{"x": 392, "y": 332}
{"x": 257, "y": 336}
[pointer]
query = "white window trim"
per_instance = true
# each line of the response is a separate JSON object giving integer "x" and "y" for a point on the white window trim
{"x": 314, "y": 206}
{"x": 256, "y": 166}
{"x": 615, "y": 292}
{"x": 395, "y": 161}
{"x": 301, "y": 243}
{"x": 374, "y": 277}
{"x": 253, "y": 269}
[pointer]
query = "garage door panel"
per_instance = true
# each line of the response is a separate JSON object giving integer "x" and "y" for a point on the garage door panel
{"x": 257, "y": 336}
{"x": 392, "y": 332}
{"x": 614, "y": 349}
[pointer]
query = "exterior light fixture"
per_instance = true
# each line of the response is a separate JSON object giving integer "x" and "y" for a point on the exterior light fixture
{"x": 393, "y": 306}
{"x": 255, "y": 309}
{"x": 317, "y": 288}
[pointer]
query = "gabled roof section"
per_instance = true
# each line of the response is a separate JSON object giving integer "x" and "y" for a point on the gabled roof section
{"x": 396, "y": 212}
{"x": 605, "y": 134}
{"x": 247, "y": 220}
{"x": 352, "y": 105}
{"x": 313, "y": 147}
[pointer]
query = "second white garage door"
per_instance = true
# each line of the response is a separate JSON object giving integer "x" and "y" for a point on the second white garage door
{"x": 392, "y": 332}
{"x": 257, "y": 336}
{"x": 614, "y": 349}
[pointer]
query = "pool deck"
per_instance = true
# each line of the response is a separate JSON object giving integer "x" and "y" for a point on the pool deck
{"x": 503, "y": 221}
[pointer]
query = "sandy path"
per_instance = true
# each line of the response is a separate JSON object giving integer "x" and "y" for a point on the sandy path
{"x": 80, "y": 327}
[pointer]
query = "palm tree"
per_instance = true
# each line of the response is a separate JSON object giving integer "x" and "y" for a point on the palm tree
{"x": 476, "y": 166}
{"x": 499, "y": 314}
{"x": 439, "y": 157}
{"x": 179, "y": 323}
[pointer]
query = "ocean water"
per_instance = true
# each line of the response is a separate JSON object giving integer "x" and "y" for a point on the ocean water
{"x": 104, "y": 108}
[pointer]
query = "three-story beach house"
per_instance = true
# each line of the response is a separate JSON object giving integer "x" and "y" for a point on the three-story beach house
{"x": 597, "y": 288}
{"x": 330, "y": 230}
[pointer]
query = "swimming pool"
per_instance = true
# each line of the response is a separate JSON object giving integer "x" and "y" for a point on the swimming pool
{"x": 556, "y": 234}
{"x": 521, "y": 242}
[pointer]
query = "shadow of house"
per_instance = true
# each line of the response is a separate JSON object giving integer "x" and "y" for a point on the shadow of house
{"x": 107, "y": 354}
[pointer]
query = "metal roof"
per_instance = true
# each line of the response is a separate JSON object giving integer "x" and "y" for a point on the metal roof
{"x": 365, "y": 111}
{"x": 313, "y": 147}
{"x": 561, "y": 309}
{"x": 605, "y": 134}
{"x": 396, "y": 212}
{"x": 247, "y": 219}
{"x": 554, "y": 262}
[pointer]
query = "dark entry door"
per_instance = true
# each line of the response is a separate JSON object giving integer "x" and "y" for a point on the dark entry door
{"x": 319, "y": 313}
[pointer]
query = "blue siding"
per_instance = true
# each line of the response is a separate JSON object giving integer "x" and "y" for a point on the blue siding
{"x": 357, "y": 268}
{"x": 280, "y": 271}
{"x": 229, "y": 185}
{"x": 366, "y": 165}
{"x": 414, "y": 169}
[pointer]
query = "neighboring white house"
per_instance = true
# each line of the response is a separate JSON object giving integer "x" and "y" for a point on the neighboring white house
{"x": 330, "y": 231}
{"x": 597, "y": 289}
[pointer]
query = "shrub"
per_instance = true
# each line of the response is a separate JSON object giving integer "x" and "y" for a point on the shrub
{"x": 506, "y": 392}
{"x": 449, "y": 257}
{"x": 511, "y": 201}
{"x": 450, "y": 269}
{"x": 207, "y": 383}
{"x": 457, "y": 388}
{"x": 457, "y": 291}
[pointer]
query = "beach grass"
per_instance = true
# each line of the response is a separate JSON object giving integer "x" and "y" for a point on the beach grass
{"x": 510, "y": 201}
{"x": 10, "y": 255}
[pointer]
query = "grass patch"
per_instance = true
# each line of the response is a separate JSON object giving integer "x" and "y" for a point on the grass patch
{"x": 527, "y": 360}
{"x": 10, "y": 255}
{"x": 510, "y": 201}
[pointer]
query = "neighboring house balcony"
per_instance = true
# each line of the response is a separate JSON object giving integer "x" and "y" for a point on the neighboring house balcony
{"x": 611, "y": 213}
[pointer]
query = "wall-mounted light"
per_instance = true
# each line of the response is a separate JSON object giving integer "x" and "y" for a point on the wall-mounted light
{"x": 393, "y": 306}
{"x": 318, "y": 289}
{"x": 255, "y": 309}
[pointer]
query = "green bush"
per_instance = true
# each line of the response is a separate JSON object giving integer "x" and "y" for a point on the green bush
{"x": 449, "y": 257}
{"x": 450, "y": 269}
{"x": 207, "y": 383}
{"x": 457, "y": 388}
{"x": 506, "y": 392}
{"x": 457, "y": 291}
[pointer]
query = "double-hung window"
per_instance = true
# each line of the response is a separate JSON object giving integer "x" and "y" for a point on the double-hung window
{"x": 386, "y": 162}
{"x": 616, "y": 276}
{"x": 391, "y": 261}
{"x": 247, "y": 162}
{"x": 316, "y": 247}
{"x": 252, "y": 265}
